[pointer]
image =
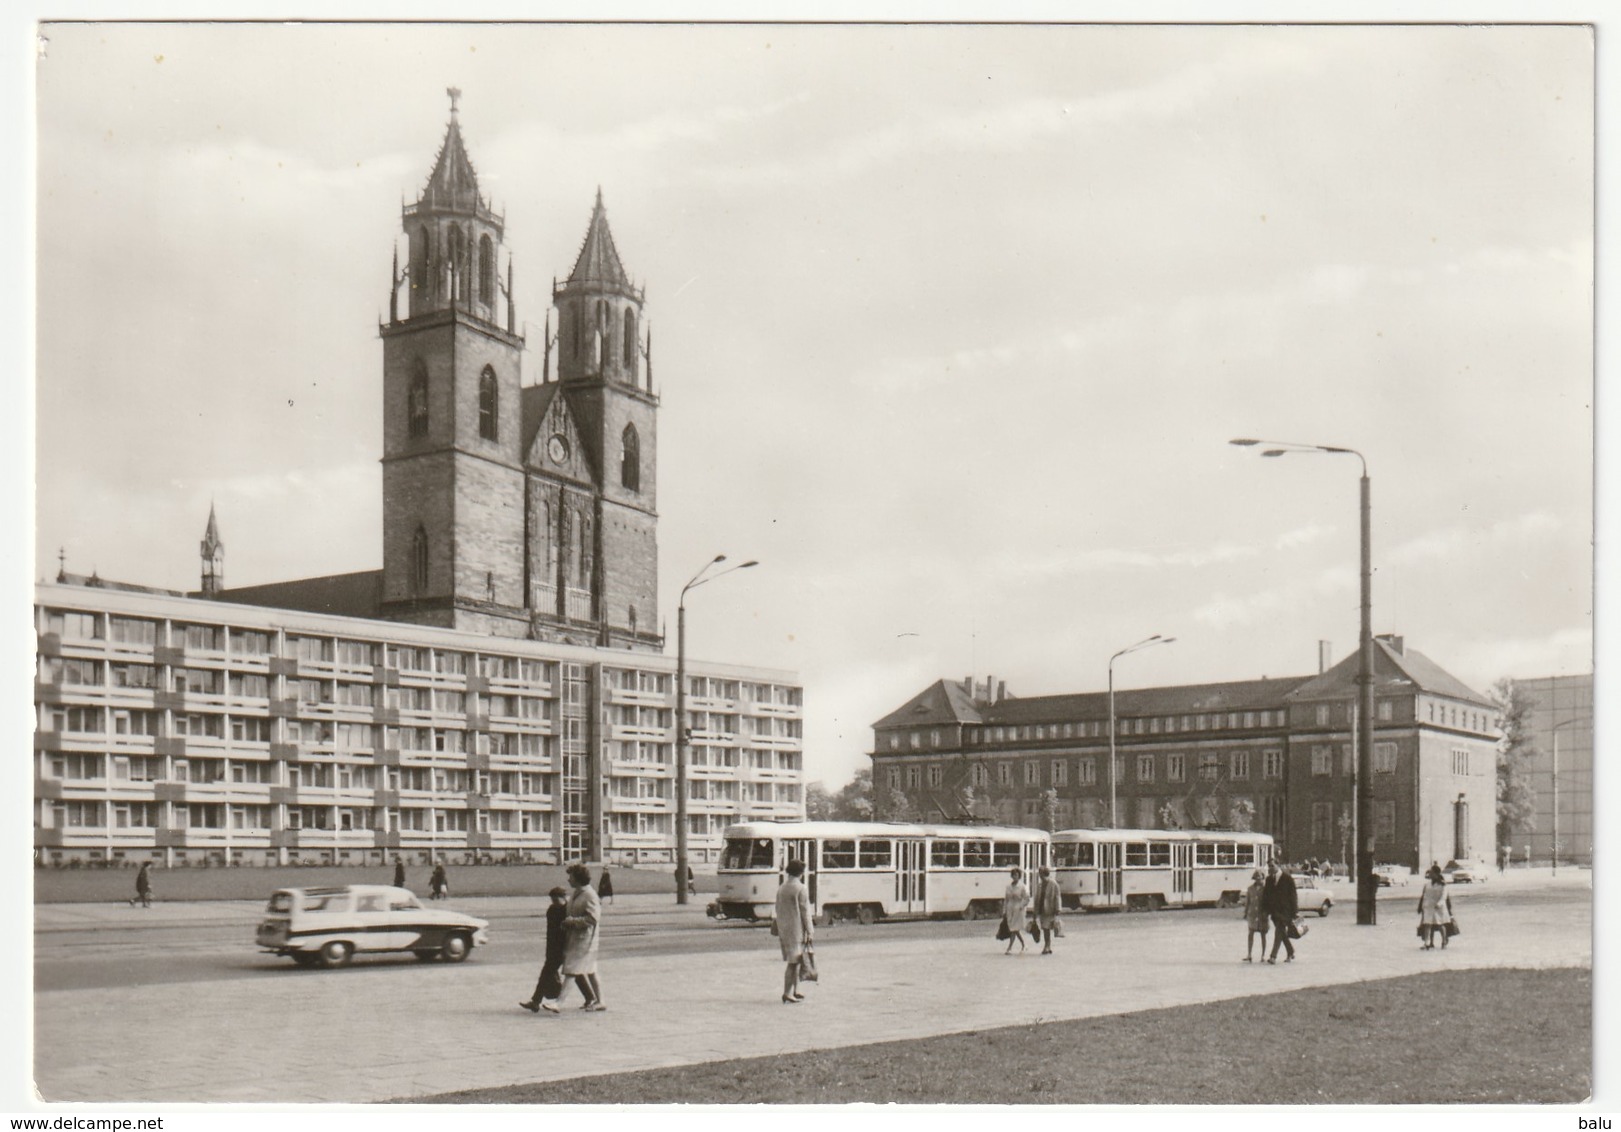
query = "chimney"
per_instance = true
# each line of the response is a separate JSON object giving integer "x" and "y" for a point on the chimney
{"x": 1325, "y": 656}
{"x": 1393, "y": 641}
{"x": 1001, "y": 690}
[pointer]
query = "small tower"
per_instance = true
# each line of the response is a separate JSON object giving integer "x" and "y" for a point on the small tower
{"x": 213, "y": 552}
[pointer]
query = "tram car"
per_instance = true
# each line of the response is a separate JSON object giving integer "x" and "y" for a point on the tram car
{"x": 1150, "y": 869}
{"x": 870, "y": 871}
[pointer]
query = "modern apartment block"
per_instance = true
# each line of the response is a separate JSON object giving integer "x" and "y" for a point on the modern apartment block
{"x": 1565, "y": 702}
{"x": 1276, "y": 755}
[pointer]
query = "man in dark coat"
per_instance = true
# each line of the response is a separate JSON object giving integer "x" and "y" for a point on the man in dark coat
{"x": 551, "y": 979}
{"x": 1282, "y": 905}
{"x": 399, "y": 873}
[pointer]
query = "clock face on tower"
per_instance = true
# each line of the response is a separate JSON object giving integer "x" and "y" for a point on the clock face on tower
{"x": 557, "y": 449}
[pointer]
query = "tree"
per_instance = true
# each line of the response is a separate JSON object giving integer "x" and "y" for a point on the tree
{"x": 1242, "y": 814}
{"x": 818, "y": 803}
{"x": 1049, "y": 808}
{"x": 1516, "y": 805}
{"x": 854, "y": 802}
{"x": 1169, "y": 817}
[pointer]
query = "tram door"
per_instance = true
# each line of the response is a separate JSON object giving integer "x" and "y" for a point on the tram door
{"x": 1182, "y": 872}
{"x": 1109, "y": 873}
{"x": 911, "y": 877}
{"x": 803, "y": 849}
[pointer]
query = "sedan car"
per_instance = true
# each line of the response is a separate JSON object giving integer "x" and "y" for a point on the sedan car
{"x": 1388, "y": 875}
{"x": 327, "y": 926}
{"x": 1464, "y": 872}
{"x": 1310, "y": 898}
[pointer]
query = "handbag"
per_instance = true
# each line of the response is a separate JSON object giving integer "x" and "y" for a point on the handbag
{"x": 1298, "y": 929}
{"x": 807, "y": 965}
{"x": 1002, "y": 930}
{"x": 1423, "y": 930}
{"x": 1453, "y": 928}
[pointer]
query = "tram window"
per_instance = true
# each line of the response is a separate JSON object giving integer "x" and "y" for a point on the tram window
{"x": 748, "y": 853}
{"x": 838, "y": 854}
{"x": 1136, "y": 853}
{"x": 1226, "y": 853}
{"x": 1006, "y": 854}
{"x": 1246, "y": 854}
{"x": 1204, "y": 854}
{"x": 945, "y": 855}
{"x": 876, "y": 854}
{"x": 976, "y": 854}
{"x": 1073, "y": 855}
{"x": 1159, "y": 853}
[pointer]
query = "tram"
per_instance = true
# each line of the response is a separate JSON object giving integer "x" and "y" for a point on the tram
{"x": 870, "y": 871}
{"x": 1147, "y": 869}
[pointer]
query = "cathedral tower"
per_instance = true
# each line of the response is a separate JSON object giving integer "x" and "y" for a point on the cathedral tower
{"x": 453, "y": 481}
{"x": 213, "y": 555}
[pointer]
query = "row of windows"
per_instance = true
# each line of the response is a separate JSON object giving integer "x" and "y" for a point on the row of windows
{"x": 1332, "y": 824}
{"x": 1322, "y": 759}
{"x": 258, "y": 817}
{"x": 74, "y": 767}
{"x": 1208, "y": 766}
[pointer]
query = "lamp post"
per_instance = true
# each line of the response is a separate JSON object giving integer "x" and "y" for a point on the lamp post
{"x": 1156, "y": 639}
{"x": 1367, "y": 889}
{"x": 698, "y": 579}
{"x": 1553, "y": 780}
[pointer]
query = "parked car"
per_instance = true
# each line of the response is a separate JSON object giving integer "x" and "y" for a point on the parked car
{"x": 1311, "y": 898}
{"x": 327, "y": 926}
{"x": 1388, "y": 875}
{"x": 1465, "y": 872}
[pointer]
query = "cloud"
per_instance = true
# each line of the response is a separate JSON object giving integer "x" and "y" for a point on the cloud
{"x": 1450, "y": 541}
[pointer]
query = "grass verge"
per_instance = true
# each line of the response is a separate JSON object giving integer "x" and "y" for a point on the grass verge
{"x": 1450, "y": 1037}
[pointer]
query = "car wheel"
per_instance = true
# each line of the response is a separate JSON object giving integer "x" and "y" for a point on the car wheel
{"x": 1323, "y": 911}
{"x": 456, "y": 948}
{"x": 336, "y": 954}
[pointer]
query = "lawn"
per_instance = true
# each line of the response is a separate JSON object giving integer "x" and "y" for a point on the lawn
{"x": 1478, "y": 1037}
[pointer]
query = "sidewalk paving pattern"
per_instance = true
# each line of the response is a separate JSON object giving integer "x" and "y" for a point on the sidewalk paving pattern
{"x": 401, "y": 1031}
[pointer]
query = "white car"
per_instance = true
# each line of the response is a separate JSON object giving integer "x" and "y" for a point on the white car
{"x": 1388, "y": 875}
{"x": 327, "y": 926}
{"x": 1310, "y": 898}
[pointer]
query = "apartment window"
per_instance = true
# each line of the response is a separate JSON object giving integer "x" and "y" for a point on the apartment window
{"x": 894, "y": 778}
{"x": 1386, "y": 710}
{"x": 1322, "y": 715}
{"x": 1384, "y": 758}
{"x": 1145, "y": 768}
{"x": 1460, "y": 761}
{"x": 77, "y": 626}
{"x": 914, "y": 777}
{"x": 1060, "y": 772}
{"x": 1176, "y": 768}
{"x": 915, "y": 740}
{"x": 250, "y": 730}
{"x": 1086, "y": 772}
{"x": 1272, "y": 764}
{"x": 1240, "y": 764}
{"x": 249, "y": 642}
{"x": 1032, "y": 773}
{"x": 78, "y": 719}
{"x": 894, "y": 742}
{"x": 1210, "y": 767}
{"x": 1004, "y": 774}
{"x": 131, "y": 631}
{"x": 1322, "y": 821}
{"x": 1322, "y": 760}
{"x": 980, "y": 775}
{"x": 934, "y": 737}
{"x": 135, "y": 722}
{"x": 1347, "y": 760}
{"x": 936, "y": 775}
{"x": 249, "y": 684}
{"x": 72, "y": 670}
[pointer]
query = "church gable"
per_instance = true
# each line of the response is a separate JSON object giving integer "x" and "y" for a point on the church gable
{"x": 553, "y": 441}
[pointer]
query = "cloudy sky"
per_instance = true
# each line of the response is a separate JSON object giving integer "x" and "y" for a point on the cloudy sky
{"x": 951, "y": 325}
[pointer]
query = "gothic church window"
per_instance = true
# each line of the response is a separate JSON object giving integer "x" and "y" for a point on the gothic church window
{"x": 489, "y": 404}
{"x": 419, "y": 559}
{"x": 420, "y": 241}
{"x": 632, "y": 343}
{"x": 486, "y": 271}
{"x": 417, "y": 402}
{"x": 458, "y": 270}
{"x": 630, "y": 467}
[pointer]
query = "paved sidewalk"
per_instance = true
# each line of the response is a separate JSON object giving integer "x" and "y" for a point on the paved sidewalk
{"x": 403, "y": 1031}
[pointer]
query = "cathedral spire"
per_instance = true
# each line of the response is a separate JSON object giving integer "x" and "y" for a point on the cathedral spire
{"x": 213, "y": 555}
{"x": 598, "y": 262}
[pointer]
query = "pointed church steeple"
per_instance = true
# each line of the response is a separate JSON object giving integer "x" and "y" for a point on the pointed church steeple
{"x": 599, "y": 311}
{"x": 212, "y": 550}
{"x": 598, "y": 262}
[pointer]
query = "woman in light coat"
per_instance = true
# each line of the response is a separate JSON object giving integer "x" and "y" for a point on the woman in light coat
{"x": 584, "y": 915}
{"x": 1434, "y": 909}
{"x": 793, "y": 928}
{"x": 1015, "y": 907}
{"x": 1255, "y": 915}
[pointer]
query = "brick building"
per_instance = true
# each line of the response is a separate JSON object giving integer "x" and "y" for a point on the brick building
{"x": 1277, "y": 755}
{"x": 497, "y": 688}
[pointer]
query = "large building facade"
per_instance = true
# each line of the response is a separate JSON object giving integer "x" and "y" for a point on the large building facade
{"x": 1277, "y": 755}
{"x": 1565, "y": 703}
{"x": 497, "y": 689}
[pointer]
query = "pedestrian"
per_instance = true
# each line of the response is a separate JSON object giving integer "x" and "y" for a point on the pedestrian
{"x": 1255, "y": 914}
{"x": 143, "y": 885}
{"x": 1434, "y": 909}
{"x": 550, "y": 985}
{"x": 1048, "y": 905}
{"x": 605, "y": 887}
{"x": 439, "y": 883}
{"x": 1015, "y": 907}
{"x": 793, "y": 928}
{"x": 692, "y": 888}
{"x": 1502, "y": 859}
{"x": 584, "y": 916}
{"x": 399, "y": 873}
{"x": 1282, "y": 905}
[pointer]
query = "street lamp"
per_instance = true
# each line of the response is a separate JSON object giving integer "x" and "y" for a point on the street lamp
{"x": 1553, "y": 779}
{"x": 1367, "y": 890}
{"x": 1147, "y": 642}
{"x": 698, "y": 579}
